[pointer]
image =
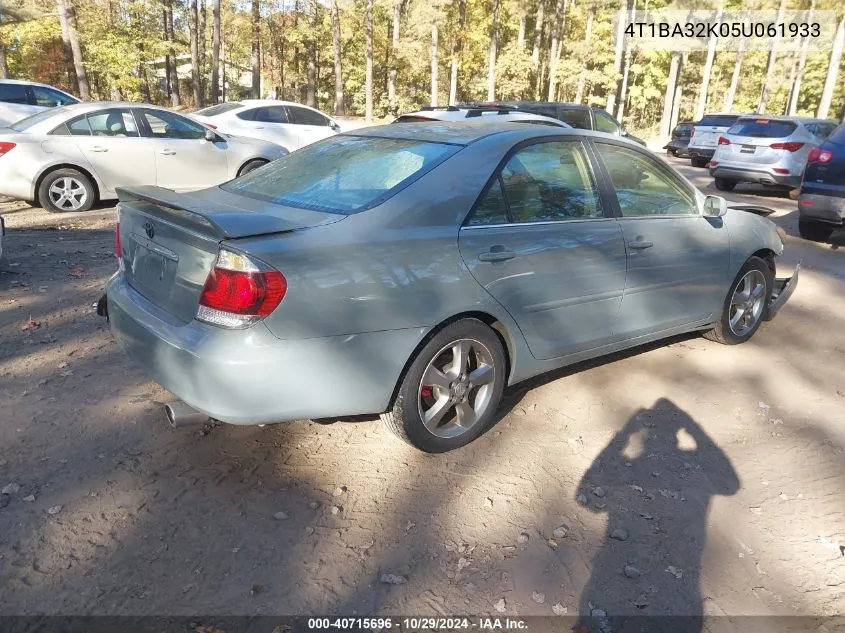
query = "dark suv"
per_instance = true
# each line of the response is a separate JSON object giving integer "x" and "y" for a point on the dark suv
{"x": 821, "y": 202}
{"x": 577, "y": 115}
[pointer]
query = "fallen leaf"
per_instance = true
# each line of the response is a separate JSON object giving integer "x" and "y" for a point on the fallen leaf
{"x": 77, "y": 271}
{"x": 31, "y": 324}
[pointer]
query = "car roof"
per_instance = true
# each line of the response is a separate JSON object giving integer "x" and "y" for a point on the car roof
{"x": 271, "y": 102}
{"x": 793, "y": 119}
{"x": 23, "y": 82}
{"x": 582, "y": 106}
{"x": 468, "y": 114}
{"x": 467, "y": 132}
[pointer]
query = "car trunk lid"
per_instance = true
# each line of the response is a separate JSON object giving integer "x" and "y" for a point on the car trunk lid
{"x": 169, "y": 241}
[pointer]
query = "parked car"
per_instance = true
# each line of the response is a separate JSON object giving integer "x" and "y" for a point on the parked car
{"x": 418, "y": 269}
{"x": 66, "y": 158}
{"x": 821, "y": 203}
{"x": 677, "y": 146}
{"x": 290, "y": 125}
{"x": 20, "y": 99}
{"x": 767, "y": 150}
{"x": 2, "y": 235}
{"x": 705, "y": 136}
{"x": 579, "y": 116}
{"x": 478, "y": 113}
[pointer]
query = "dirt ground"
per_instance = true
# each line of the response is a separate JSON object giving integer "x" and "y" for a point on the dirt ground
{"x": 680, "y": 478}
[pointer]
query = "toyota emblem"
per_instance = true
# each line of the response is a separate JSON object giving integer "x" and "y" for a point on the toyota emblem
{"x": 149, "y": 229}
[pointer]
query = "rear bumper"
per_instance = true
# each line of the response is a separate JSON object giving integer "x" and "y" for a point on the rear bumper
{"x": 680, "y": 147}
{"x": 250, "y": 376}
{"x": 784, "y": 287}
{"x": 701, "y": 152}
{"x": 822, "y": 208}
{"x": 759, "y": 176}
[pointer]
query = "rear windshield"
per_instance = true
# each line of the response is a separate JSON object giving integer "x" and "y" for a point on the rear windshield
{"x": 413, "y": 118}
{"x": 838, "y": 135}
{"x": 718, "y": 120}
{"x": 222, "y": 108}
{"x": 343, "y": 174}
{"x": 762, "y": 128}
{"x": 24, "y": 124}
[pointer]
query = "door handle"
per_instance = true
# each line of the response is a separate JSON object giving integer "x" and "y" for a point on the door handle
{"x": 258, "y": 127}
{"x": 98, "y": 149}
{"x": 168, "y": 152}
{"x": 640, "y": 244}
{"x": 495, "y": 254}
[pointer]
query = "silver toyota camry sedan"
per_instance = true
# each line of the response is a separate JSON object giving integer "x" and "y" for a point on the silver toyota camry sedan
{"x": 67, "y": 158}
{"x": 417, "y": 270}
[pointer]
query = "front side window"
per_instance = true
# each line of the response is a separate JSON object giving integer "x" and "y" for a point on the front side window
{"x": 49, "y": 98}
{"x": 642, "y": 186}
{"x": 545, "y": 182}
{"x": 344, "y": 174}
{"x": 606, "y": 123}
{"x": 163, "y": 124}
{"x": 304, "y": 116}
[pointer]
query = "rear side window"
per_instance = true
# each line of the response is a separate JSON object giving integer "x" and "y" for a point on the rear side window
{"x": 545, "y": 110}
{"x": 576, "y": 117}
{"x": 247, "y": 115}
{"x": 304, "y": 116}
{"x": 270, "y": 114}
{"x": 217, "y": 110}
{"x": 343, "y": 174}
{"x": 824, "y": 129}
{"x": 116, "y": 122}
{"x": 13, "y": 93}
{"x": 763, "y": 128}
{"x": 492, "y": 208}
{"x": 717, "y": 120}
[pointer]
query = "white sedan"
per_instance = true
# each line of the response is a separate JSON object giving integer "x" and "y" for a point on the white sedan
{"x": 291, "y": 125}
{"x": 20, "y": 99}
{"x": 67, "y": 158}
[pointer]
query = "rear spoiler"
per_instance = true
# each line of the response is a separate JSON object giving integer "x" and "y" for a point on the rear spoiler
{"x": 218, "y": 214}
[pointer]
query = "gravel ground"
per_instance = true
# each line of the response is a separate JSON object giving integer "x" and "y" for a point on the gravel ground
{"x": 679, "y": 478}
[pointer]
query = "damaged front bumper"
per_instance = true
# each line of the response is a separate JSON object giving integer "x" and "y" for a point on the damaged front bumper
{"x": 784, "y": 287}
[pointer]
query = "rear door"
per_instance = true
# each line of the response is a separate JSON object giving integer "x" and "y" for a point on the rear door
{"x": 311, "y": 126}
{"x": 543, "y": 244}
{"x": 677, "y": 259}
{"x": 110, "y": 142}
{"x": 271, "y": 123}
{"x": 184, "y": 159}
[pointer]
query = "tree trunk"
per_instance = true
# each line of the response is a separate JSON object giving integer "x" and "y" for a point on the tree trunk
{"x": 71, "y": 72}
{"x": 679, "y": 93}
{"x": 802, "y": 61}
{"x": 494, "y": 40}
{"x": 832, "y": 71}
{"x": 311, "y": 94}
{"x": 168, "y": 75}
{"x": 538, "y": 32}
{"x": 553, "y": 51}
{"x": 520, "y": 39}
{"x": 195, "y": 61}
{"x": 175, "y": 92}
{"x": 456, "y": 53}
{"x": 793, "y": 69}
{"x": 4, "y": 67}
{"x": 201, "y": 45}
{"x": 770, "y": 68}
{"x": 215, "y": 53}
{"x": 591, "y": 12}
{"x": 256, "y": 48}
{"x": 394, "y": 58}
{"x": 338, "y": 70}
{"x": 434, "y": 87}
{"x": 731, "y": 93}
{"x": 617, "y": 56}
{"x": 368, "y": 86}
{"x": 67, "y": 18}
{"x": 669, "y": 96}
{"x": 708, "y": 70}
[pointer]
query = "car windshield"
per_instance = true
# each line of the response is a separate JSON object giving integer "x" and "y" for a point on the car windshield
{"x": 343, "y": 174}
{"x": 762, "y": 128}
{"x": 216, "y": 110}
{"x": 24, "y": 124}
{"x": 718, "y": 120}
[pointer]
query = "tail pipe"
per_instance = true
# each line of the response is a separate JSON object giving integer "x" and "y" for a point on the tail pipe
{"x": 180, "y": 414}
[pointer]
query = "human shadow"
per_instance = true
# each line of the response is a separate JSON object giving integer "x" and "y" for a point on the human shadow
{"x": 655, "y": 480}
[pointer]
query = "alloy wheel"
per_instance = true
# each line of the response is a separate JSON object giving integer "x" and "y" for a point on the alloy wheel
{"x": 747, "y": 303}
{"x": 68, "y": 194}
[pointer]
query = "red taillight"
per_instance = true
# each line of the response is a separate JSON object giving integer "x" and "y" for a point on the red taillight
{"x": 6, "y": 147}
{"x": 790, "y": 146}
{"x": 713, "y": 163}
{"x": 212, "y": 126}
{"x": 806, "y": 203}
{"x": 818, "y": 155}
{"x": 780, "y": 170}
{"x": 723, "y": 141}
{"x": 118, "y": 250}
{"x": 240, "y": 291}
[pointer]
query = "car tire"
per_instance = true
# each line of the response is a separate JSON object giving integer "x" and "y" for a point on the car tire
{"x": 66, "y": 190}
{"x": 814, "y": 231}
{"x": 794, "y": 193}
{"x": 460, "y": 411}
{"x": 699, "y": 162}
{"x": 251, "y": 166}
{"x": 725, "y": 184}
{"x": 736, "y": 327}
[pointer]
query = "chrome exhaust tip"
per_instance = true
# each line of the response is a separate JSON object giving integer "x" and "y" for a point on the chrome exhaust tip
{"x": 179, "y": 414}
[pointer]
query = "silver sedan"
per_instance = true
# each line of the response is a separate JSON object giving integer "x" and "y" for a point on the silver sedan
{"x": 67, "y": 158}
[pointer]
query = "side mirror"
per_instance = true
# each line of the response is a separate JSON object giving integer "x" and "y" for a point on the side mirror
{"x": 335, "y": 126}
{"x": 715, "y": 206}
{"x": 210, "y": 136}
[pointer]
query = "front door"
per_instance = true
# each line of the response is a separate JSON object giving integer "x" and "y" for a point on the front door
{"x": 541, "y": 243}
{"x": 678, "y": 260}
{"x": 185, "y": 160}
